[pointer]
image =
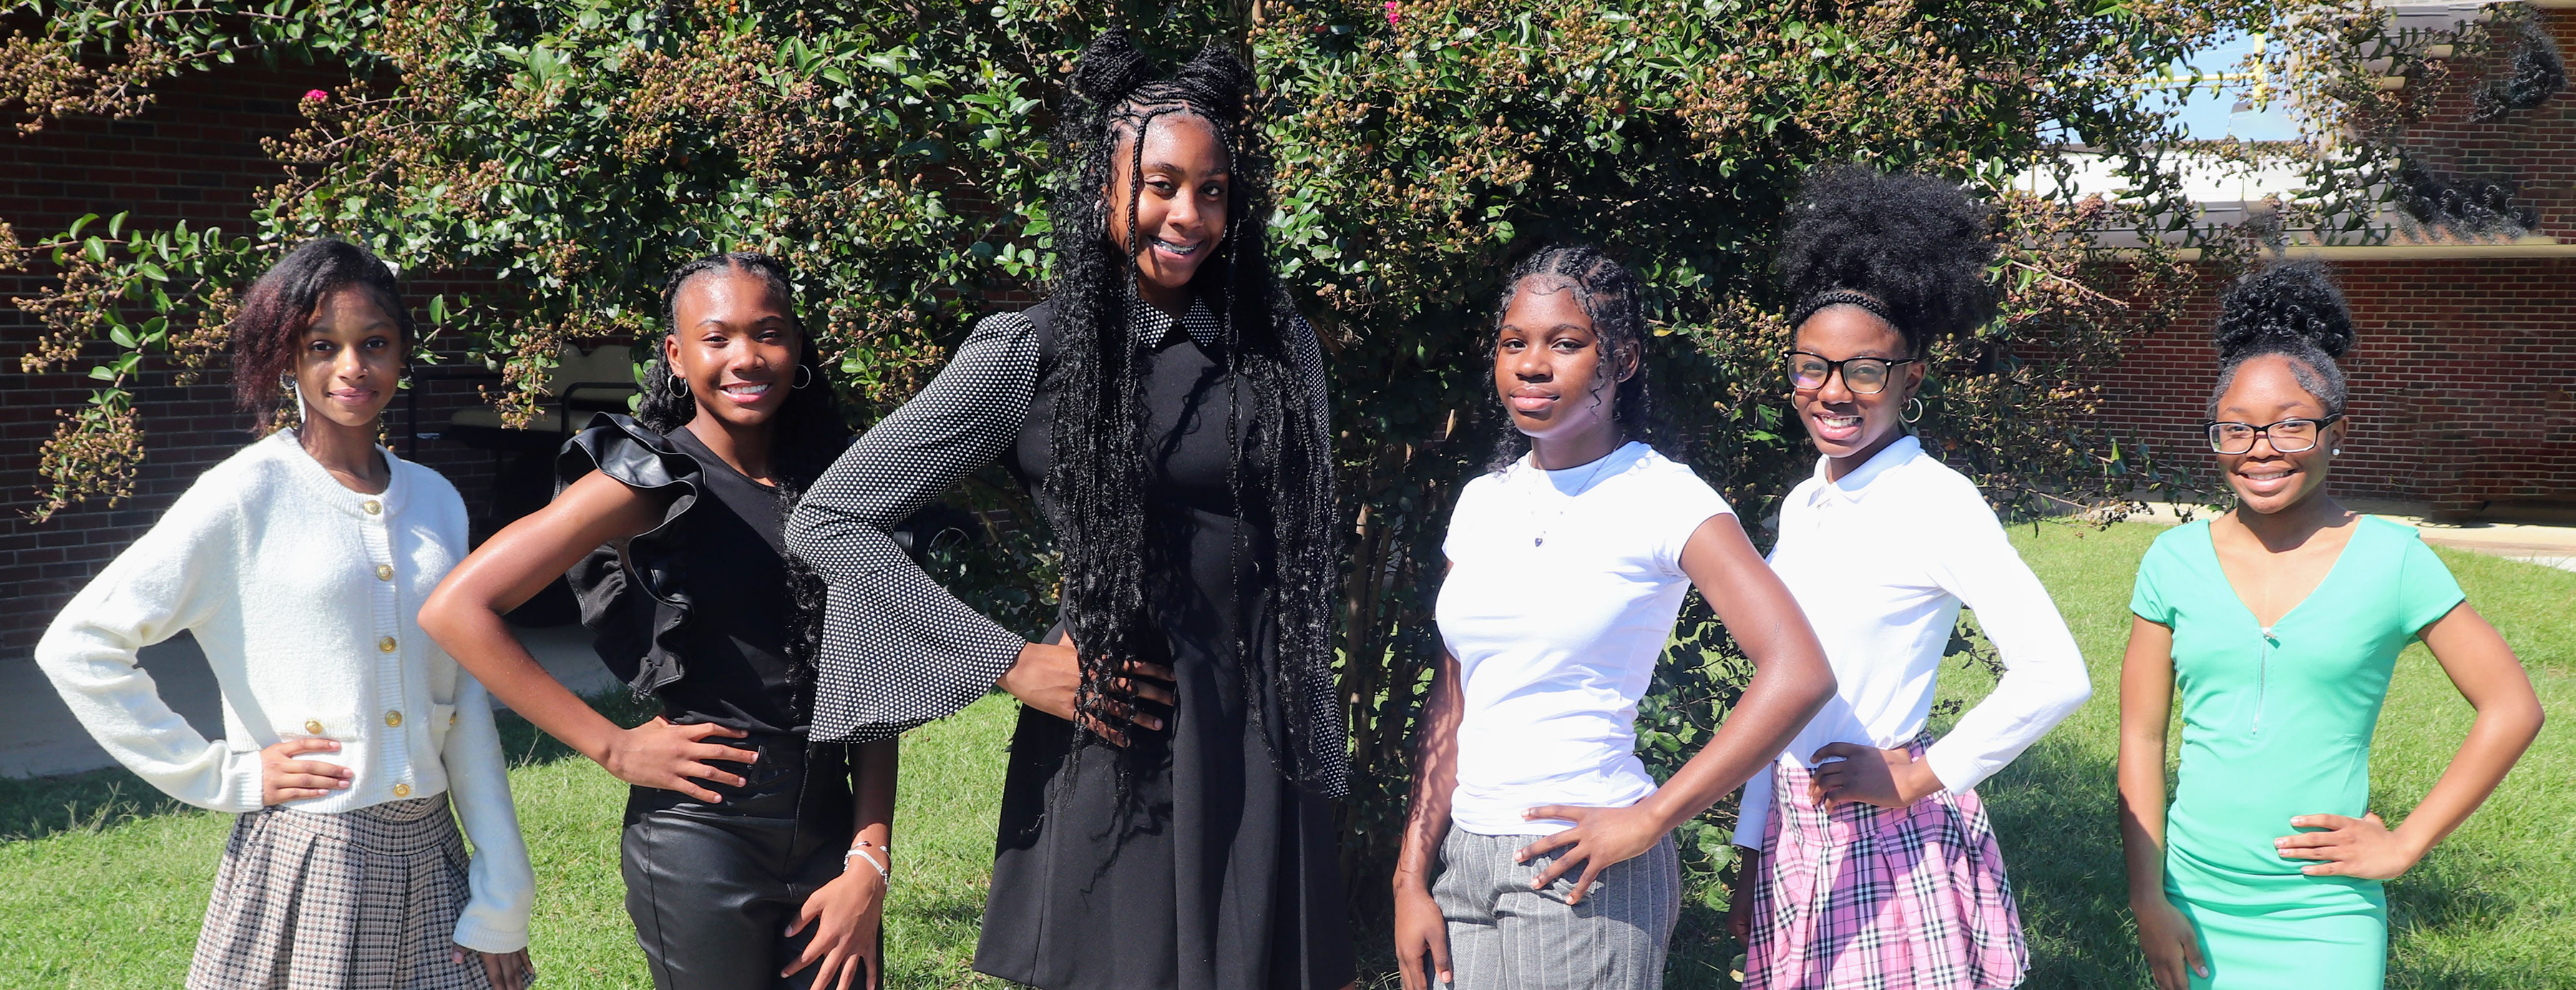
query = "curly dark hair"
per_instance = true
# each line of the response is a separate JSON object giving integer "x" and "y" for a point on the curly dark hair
{"x": 2534, "y": 72}
{"x": 268, "y": 333}
{"x": 1611, "y": 296}
{"x": 2291, "y": 309}
{"x": 809, "y": 436}
{"x": 1910, "y": 248}
{"x": 1096, "y": 478}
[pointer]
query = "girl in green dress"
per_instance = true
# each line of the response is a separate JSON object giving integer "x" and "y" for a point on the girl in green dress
{"x": 2279, "y": 623}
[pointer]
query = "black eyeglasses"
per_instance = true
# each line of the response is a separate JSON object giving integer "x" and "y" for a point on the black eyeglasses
{"x": 1862, "y": 375}
{"x": 2288, "y": 436}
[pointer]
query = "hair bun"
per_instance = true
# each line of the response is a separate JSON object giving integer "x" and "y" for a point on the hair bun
{"x": 1217, "y": 71}
{"x": 1109, "y": 68}
{"x": 2289, "y": 301}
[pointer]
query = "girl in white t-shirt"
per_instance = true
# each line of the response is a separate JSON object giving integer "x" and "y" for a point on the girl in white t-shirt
{"x": 1567, "y": 570}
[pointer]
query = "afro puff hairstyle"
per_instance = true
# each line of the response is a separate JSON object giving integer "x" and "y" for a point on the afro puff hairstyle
{"x": 2291, "y": 309}
{"x": 1910, "y": 248}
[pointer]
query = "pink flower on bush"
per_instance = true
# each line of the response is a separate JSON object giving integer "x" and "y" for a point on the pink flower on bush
{"x": 1391, "y": 14}
{"x": 315, "y": 96}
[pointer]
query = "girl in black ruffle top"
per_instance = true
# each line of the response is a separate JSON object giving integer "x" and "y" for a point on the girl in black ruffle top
{"x": 738, "y": 827}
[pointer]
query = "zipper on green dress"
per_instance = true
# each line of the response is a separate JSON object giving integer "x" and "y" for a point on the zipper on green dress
{"x": 2262, "y": 676}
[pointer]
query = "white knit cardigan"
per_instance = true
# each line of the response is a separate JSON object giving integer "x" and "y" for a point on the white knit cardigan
{"x": 305, "y": 597}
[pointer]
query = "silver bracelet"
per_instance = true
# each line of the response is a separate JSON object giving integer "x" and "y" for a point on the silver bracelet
{"x": 860, "y": 851}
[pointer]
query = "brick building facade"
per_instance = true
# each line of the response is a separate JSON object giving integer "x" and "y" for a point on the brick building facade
{"x": 194, "y": 156}
{"x": 2464, "y": 377}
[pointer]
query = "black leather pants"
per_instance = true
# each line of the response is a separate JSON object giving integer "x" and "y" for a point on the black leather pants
{"x": 712, "y": 886}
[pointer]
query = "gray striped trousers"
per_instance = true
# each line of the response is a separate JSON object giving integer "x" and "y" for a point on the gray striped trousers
{"x": 1505, "y": 936}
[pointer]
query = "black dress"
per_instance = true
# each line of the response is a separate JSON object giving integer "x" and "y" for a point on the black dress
{"x": 695, "y": 614}
{"x": 1211, "y": 871}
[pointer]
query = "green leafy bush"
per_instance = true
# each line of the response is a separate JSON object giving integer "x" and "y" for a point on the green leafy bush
{"x": 566, "y": 153}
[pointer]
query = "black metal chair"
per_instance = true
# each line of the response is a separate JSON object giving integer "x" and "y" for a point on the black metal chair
{"x": 602, "y": 380}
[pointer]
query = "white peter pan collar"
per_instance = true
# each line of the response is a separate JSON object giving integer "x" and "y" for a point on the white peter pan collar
{"x": 1856, "y": 485}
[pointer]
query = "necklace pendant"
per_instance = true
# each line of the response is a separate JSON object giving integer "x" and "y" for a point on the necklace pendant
{"x": 1538, "y": 541}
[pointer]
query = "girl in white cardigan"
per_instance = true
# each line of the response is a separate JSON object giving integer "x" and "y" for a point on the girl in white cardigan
{"x": 299, "y": 564}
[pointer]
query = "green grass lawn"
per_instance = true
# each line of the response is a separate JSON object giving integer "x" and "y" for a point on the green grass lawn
{"x": 2495, "y": 906}
{"x": 102, "y": 882}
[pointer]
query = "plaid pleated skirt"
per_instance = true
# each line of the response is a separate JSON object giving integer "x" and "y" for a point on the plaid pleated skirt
{"x": 358, "y": 900}
{"x": 1870, "y": 898}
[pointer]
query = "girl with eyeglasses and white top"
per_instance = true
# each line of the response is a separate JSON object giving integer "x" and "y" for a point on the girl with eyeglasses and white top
{"x": 1869, "y": 858}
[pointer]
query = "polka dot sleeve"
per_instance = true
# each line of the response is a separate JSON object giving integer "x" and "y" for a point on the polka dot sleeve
{"x": 899, "y": 650}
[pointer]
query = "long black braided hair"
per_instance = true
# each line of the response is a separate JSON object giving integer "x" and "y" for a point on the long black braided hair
{"x": 1097, "y": 475}
{"x": 1612, "y": 298}
{"x": 808, "y": 436}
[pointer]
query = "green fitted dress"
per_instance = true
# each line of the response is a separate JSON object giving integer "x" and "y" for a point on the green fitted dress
{"x": 2277, "y": 722}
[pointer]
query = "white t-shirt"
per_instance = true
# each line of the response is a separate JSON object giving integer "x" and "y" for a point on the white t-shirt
{"x": 1562, "y": 591}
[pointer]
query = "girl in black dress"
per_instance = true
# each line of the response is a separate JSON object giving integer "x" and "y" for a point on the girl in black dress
{"x": 1164, "y": 821}
{"x": 739, "y": 827}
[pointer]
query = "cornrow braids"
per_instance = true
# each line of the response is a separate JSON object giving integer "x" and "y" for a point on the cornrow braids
{"x": 1097, "y": 474}
{"x": 1611, "y": 296}
{"x": 810, "y": 434}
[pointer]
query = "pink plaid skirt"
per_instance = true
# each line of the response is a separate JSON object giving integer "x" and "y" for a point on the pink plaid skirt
{"x": 1867, "y": 898}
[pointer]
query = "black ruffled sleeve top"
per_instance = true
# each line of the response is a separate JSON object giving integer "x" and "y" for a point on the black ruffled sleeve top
{"x": 695, "y": 612}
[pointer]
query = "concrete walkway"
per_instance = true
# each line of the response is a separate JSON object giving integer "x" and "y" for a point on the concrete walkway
{"x": 39, "y": 737}
{"x": 2548, "y": 546}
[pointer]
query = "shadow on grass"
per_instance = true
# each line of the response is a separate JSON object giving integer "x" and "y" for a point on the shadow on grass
{"x": 2053, "y": 815}
{"x": 37, "y": 807}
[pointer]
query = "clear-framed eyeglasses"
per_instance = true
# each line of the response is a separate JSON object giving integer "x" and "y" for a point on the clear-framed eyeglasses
{"x": 1862, "y": 375}
{"x": 2289, "y": 436}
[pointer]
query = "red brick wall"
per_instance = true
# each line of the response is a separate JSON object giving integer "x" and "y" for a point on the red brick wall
{"x": 195, "y": 155}
{"x": 2463, "y": 382}
{"x": 2536, "y": 148}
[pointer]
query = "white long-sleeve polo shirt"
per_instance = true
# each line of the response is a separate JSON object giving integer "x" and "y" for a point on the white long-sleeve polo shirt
{"x": 305, "y": 597}
{"x": 1881, "y": 560}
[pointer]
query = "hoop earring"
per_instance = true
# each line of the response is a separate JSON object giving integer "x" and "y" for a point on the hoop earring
{"x": 804, "y": 377}
{"x": 679, "y": 386}
{"x": 1915, "y": 411}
